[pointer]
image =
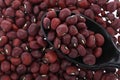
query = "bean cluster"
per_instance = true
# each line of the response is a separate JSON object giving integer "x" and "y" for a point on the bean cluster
{"x": 25, "y": 55}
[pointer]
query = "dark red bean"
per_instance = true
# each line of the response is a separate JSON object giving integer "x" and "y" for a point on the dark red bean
{"x": 5, "y": 77}
{"x": 15, "y": 61}
{"x": 54, "y": 23}
{"x": 14, "y": 76}
{"x": 71, "y": 20}
{"x": 65, "y": 49}
{"x": 27, "y": 7}
{"x": 71, "y": 2}
{"x": 82, "y": 73}
{"x": 98, "y": 75}
{"x": 55, "y": 67}
{"x": 16, "y": 4}
{"x": 110, "y": 16}
{"x": 26, "y": 58}
{"x": 22, "y": 34}
{"x": 53, "y": 77}
{"x": 73, "y": 30}
{"x": 96, "y": 8}
{"x": 19, "y": 13}
{"x": 41, "y": 42}
{"x": 2, "y": 33}
{"x": 6, "y": 25}
{"x": 20, "y": 22}
{"x": 71, "y": 70}
{"x": 83, "y": 3}
{"x": 12, "y": 67}
{"x": 36, "y": 9}
{"x": 2, "y": 4}
{"x": 44, "y": 69}
{"x": 115, "y": 24}
{"x": 62, "y": 29}
{"x": 44, "y": 77}
{"x": 66, "y": 39}
{"x": 11, "y": 35}
{"x": 9, "y": 12}
{"x": 89, "y": 74}
{"x": 99, "y": 39}
{"x": 61, "y": 4}
{"x": 28, "y": 77}
{"x": 81, "y": 39}
{"x": 81, "y": 25}
{"x": 91, "y": 41}
{"x": 3, "y": 40}
{"x": 101, "y": 2}
{"x": 34, "y": 67}
{"x": 21, "y": 69}
{"x": 51, "y": 56}
{"x": 111, "y": 6}
{"x": 51, "y": 35}
{"x": 51, "y": 14}
{"x": 5, "y": 66}
{"x": 64, "y": 13}
{"x": 46, "y": 23}
{"x": 57, "y": 43}
{"x": 81, "y": 50}
{"x": 16, "y": 52}
{"x": 89, "y": 59}
{"x": 98, "y": 52}
{"x": 36, "y": 54}
{"x": 64, "y": 64}
{"x": 2, "y": 57}
{"x": 89, "y": 13}
{"x": 74, "y": 41}
{"x": 43, "y": 5}
{"x": 73, "y": 53}
{"x": 17, "y": 42}
{"x": 8, "y": 49}
{"x": 34, "y": 45}
{"x": 33, "y": 29}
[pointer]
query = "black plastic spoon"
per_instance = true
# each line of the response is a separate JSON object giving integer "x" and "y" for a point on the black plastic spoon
{"x": 110, "y": 56}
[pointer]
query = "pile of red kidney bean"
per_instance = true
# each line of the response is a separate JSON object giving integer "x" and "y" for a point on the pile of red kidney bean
{"x": 70, "y": 35}
{"x": 22, "y": 45}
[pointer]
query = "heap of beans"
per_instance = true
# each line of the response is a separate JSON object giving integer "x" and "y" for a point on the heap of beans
{"x": 70, "y": 35}
{"x": 25, "y": 55}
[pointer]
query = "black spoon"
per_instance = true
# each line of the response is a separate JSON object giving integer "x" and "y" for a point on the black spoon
{"x": 110, "y": 56}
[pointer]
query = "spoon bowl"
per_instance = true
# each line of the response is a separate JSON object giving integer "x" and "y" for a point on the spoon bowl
{"x": 110, "y": 55}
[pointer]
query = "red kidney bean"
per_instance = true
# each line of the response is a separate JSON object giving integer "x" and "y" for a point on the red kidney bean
{"x": 96, "y": 8}
{"x": 83, "y": 3}
{"x": 55, "y": 67}
{"x": 26, "y": 58}
{"x": 44, "y": 68}
{"x": 57, "y": 43}
{"x": 91, "y": 41}
{"x": 5, "y": 77}
{"x": 73, "y": 30}
{"x": 20, "y": 22}
{"x": 16, "y": 52}
{"x": 14, "y": 76}
{"x": 11, "y": 35}
{"x": 62, "y": 29}
{"x": 15, "y": 61}
{"x": 51, "y": 14}
{"x": 16, "y": 4}
{"x": 64, "y": 49}
{"x": 71, "y": 20}
{"x": 34, "y": 45}
{"x": 64, "y": 13}
{"x": 71, "y": 70}
{"x": 9, "y": 12}
{"x": 33, "y": 29}
{"x": 81, "y": 50}
{"x": 73, "y": 53}
{"x": 54, "y": 23}
{"x": 51, "y": 56}
{"x": 66, "y": 39}
{"x": 21, "y": 69}
{"x": 2, "y": 57}
{"x": 99, "y": 39}
{"x": 89, "y": 59}
{"x": 89, "y": 13}
{"x": 111, "y": 6}
{"x": 98, "y": 52}
{"x": 8, "y": 49}
{"x": 5, "y": 66}
{"x": 22, "y": 34}
{"x": 6, "y": 25}
{"x": 98, "y": 75}
{"x": 3, "y": 40}
{"x": 34, "y": 67}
